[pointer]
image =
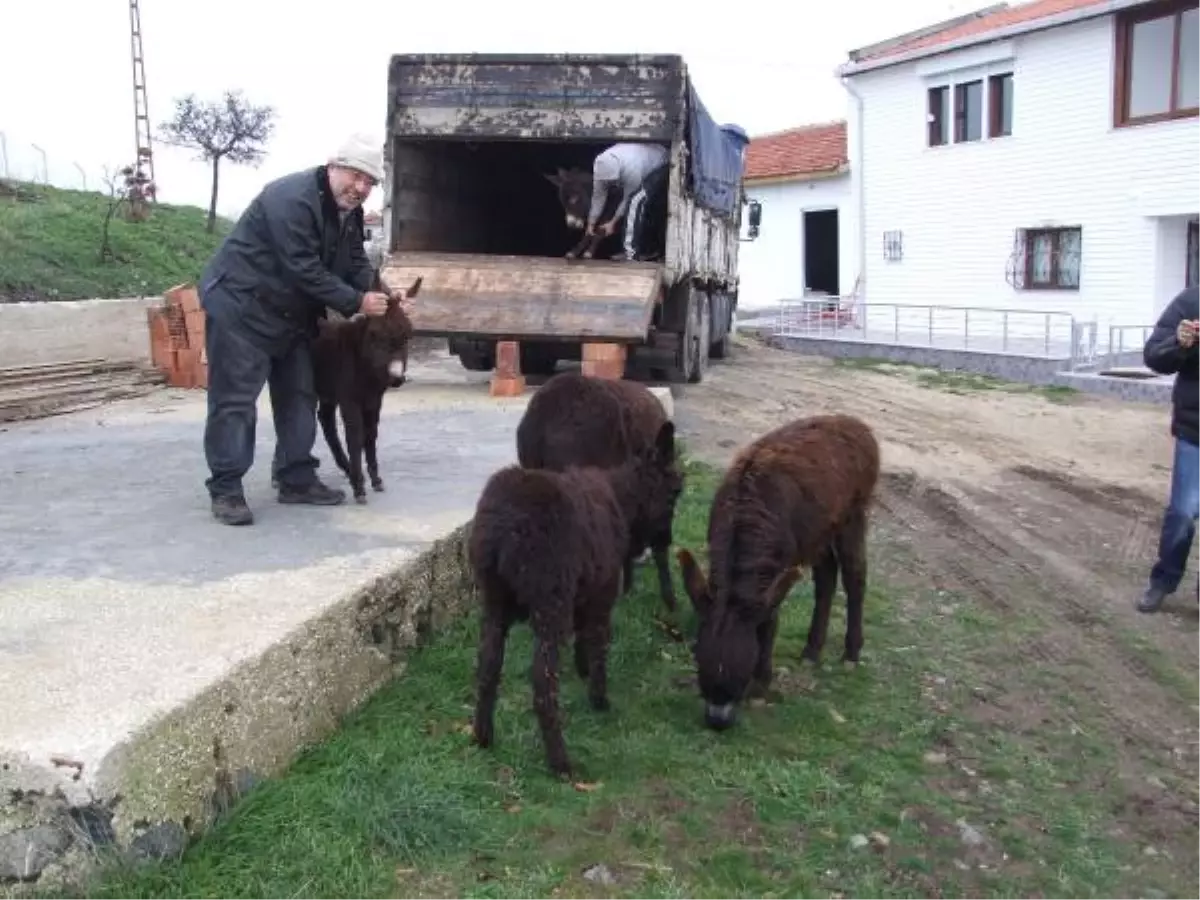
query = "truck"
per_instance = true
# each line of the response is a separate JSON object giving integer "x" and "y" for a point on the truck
{"x": 467, "y": 205}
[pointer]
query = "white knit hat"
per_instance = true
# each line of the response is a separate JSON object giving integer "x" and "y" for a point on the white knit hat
{"x": 606, "y": 167}
{"x": 362, "y": 153}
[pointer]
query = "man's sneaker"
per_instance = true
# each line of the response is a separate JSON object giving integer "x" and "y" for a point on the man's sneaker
{"x": 1152, "y": 600}
{"x": 314, "y": 494}
{"x": 232, "y": 511}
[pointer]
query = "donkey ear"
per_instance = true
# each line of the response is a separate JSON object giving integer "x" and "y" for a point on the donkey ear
{"x": 694, "y": 581}
{"x": 555, "y": 179}
{"x": 783, "y": 583}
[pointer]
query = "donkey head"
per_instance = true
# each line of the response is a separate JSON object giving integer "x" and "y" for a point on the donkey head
{"x": 574, "y": 193}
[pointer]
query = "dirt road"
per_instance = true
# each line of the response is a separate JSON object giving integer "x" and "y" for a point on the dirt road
{"x": 1042, "y": 506}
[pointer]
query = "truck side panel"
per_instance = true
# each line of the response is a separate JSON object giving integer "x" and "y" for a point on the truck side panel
{"x": 547, "y": 97}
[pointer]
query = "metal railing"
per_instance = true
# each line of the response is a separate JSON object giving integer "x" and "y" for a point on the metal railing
{"x": 997, "y": 330}
{"x": 1125, "y": 343}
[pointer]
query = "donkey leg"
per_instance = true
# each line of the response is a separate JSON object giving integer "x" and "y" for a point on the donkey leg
{"x": 545, "y": 702}
{"x": 352, "y": 419}
{"x": 851, "y": 545}
{"x": 370, "y": 435}
{"x": 599, "y": 635}
{"x": 764, "y": 667}
{"x": 824, "y": 584}
{"x": 665, "y": 587}
{"x": 489, "y": 665}
{"x": 327, "y": 415}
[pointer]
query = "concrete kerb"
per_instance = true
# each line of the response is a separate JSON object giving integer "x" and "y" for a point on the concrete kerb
{"x": 169, "y": 782}
{"x": 1033, "y": 370}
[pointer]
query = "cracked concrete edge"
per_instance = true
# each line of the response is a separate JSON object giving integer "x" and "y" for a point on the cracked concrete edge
{"x": 165, "y": 786}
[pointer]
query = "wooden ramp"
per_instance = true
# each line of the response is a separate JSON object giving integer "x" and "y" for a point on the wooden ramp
{"x": 527, "y": 297}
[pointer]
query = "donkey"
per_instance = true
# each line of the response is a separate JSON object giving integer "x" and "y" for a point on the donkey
{"x": 352, "y": 361}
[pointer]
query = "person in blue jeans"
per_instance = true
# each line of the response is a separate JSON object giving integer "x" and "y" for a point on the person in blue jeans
{"x": 1172, "y": 349}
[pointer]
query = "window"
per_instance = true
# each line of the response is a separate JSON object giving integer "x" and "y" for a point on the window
{"x": 939, "y": 116}
{"x": 968, "y": 111}
{"x": 1157, "y": 63}
{"x": 1051, "y": 258}
{"x": 1193, "y": 254}
{"x": 1000, "y": 105}
{"x": 971, "y": 108}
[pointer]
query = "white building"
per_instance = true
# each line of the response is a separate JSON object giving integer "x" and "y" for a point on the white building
{"x": 1037, "y": 157}
{"x": 806, "y": 243}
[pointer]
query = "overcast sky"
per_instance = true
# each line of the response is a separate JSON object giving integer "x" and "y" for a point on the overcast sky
{"x": 66, "y": 74}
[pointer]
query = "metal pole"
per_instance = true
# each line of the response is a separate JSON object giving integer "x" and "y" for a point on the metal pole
{"x": 931, "y": 326}
{"x": 1047, "y": 334}
{"x": 1004, "y": 339}
{"x": 966, "y": 327}
{"x": 895, "y": 324}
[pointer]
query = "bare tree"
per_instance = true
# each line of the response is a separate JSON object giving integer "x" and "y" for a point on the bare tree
{"x": 231, "y": 128}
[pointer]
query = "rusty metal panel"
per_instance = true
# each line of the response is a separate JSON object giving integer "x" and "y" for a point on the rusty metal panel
{"x": 547, "y": 97}
{"x": 523, "y": 297}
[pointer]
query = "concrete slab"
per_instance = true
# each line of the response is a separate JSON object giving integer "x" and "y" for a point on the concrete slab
{"x": 154, "y": 663}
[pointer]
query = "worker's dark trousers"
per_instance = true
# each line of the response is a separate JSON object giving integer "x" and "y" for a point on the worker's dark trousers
{"x": 238, "y": 367}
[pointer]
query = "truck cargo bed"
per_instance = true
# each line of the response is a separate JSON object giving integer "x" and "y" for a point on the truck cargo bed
{"x": 523, "y": 297}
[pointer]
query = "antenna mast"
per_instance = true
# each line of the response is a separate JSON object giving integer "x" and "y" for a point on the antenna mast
{"x": 141, "y": 106}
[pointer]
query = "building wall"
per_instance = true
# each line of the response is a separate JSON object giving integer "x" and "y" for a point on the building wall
{"x": 957, "y": 206}
{"x": 772, "y": 266}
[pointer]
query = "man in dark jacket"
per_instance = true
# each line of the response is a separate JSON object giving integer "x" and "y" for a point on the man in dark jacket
{"x": 297, "y": 249}
{"x": 1172, "y": 349}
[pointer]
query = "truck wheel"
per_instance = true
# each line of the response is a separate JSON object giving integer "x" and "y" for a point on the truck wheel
{"x": 476, "y": 361}
{"x": 685, "y": 354}
{"x": 537, "y": 360}
{"x": 720, "y": 349}
{"x": 703, "y": 336}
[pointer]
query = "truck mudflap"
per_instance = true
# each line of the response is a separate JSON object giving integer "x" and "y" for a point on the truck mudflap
{"x": 527, "y": 297}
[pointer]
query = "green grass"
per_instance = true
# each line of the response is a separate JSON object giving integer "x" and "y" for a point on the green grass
{"x": 957, "y": 382}
{"x": 50, "y": 246}
{"x": 400, "y": 803}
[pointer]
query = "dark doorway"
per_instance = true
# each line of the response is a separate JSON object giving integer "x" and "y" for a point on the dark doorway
{"x": 821, "y": 251}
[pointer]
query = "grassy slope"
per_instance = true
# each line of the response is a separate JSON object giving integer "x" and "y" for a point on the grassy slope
{"x": 49, "y": 247}
{"x": 399, "y": 803}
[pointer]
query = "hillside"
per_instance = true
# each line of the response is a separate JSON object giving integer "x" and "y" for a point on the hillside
{"x": 50, "y": 246}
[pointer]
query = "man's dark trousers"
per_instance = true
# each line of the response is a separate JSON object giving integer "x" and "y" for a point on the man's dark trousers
{"x": 239, "y": 365}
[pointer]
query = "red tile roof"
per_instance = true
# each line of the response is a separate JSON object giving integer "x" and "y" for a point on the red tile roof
{"x": 808, "y": 150}
{"x": 978, "y": 27}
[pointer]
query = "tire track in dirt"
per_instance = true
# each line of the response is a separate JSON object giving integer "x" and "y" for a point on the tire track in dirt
{"x": 1044, "y": 511}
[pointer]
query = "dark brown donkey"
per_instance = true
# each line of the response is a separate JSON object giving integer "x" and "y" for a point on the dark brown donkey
{"x": 797, "y": 498}
{"x": 352, "y": 360}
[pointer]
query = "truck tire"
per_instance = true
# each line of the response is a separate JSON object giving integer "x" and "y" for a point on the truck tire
{"x": 703, "y": 337}
{"x": 691, "y": 359}
{"x": 720, "y": 348}
{"x": 477, "y": 360}
{"x": 537, "y": 360}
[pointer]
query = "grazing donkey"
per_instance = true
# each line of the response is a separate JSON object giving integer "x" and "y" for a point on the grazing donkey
{"x": 576, "y": 420}
{"x": 548, "y": 548}
{"x": 352, "y": 360}
{"x": 796, "y": 498}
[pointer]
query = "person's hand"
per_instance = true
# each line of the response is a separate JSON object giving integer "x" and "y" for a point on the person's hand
{"x": 1186, "y": 332}
{"x": 400, "y": 295}
{"x": 374, "y": 304}
{"x": 606, "y": 229}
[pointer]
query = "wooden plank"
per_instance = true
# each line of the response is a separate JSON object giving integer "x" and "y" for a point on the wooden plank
{"x": 514, "y": 298}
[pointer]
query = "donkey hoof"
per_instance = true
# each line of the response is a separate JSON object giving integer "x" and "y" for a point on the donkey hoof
{"x": 360, "y": 499}
{"x": 377, "y": 485}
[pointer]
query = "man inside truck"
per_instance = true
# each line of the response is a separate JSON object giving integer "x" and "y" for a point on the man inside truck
{"x": 633, "y": 170}
{"x": 297, "y": 249}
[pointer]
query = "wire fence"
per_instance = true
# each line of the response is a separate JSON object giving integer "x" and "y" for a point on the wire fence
{"x": 23, "y": 158}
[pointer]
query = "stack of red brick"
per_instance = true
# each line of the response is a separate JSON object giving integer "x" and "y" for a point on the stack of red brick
{"x": 177, "y": 338}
